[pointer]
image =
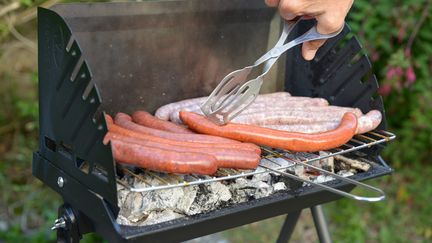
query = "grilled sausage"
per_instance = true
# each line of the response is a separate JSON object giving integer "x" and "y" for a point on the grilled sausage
{"x": 225, "y": 158}
{"x": 296, "y": 115}
{"x": 265, "y": 106}
{"x": 369, "y": 122}
{"x": 164, "y": 111}
{"x": 125, "y": 121}
{"x": 366, "y": 123}
{"x": 299, "y": 142}
{"x": 252, "y": 148}
{"x": 146, "y": 119}
{"x": 307, "y": 128}
{"x": 163, "y": 160}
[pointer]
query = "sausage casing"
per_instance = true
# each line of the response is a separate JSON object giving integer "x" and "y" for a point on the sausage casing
{"x": 225, "y": 158}
{"x": 163, "y": 160}
{"x": 274, "y": 138}
{"x": 126, "y": 132}
{"x": 125, "y": 121}
{"x": 146, "y": 119}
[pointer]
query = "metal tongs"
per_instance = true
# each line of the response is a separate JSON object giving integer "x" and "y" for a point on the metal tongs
{"x": 236, "y": 92}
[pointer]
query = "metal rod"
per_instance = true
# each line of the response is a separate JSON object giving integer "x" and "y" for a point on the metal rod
{"x": 357, "y": 183}
{"x": 320, "y": 224}
{"x": 331, "y": 189}
{"x": 288, "y": 227}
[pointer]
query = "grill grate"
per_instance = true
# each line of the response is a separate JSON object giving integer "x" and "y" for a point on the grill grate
{"x": 285, "y": 159}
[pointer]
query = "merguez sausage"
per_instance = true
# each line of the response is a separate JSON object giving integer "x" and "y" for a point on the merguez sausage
{"x": 299, "y": 142}
{"x": 226, "y": 158}
{"x": 146, "y": 119}
{"x": 163, "y": 160}
{"x": 125, "y": 121}
{"x": 238, "y": 146}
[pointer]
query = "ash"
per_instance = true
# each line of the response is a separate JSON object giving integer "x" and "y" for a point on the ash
{"x": 152, "y": 207}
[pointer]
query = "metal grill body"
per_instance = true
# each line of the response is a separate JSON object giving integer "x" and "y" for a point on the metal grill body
{"x": 111, "y": 57}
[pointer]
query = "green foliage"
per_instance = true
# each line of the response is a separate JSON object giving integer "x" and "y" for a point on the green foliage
{"x": 401, "y": 50}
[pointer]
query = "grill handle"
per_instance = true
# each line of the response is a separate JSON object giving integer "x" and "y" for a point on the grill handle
{"x": 328, "y": 188}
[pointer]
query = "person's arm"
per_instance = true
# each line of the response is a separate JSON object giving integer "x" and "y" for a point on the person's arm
{"x": 330, "y": 15}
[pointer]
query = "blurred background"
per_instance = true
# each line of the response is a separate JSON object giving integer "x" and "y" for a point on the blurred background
{"x": 397, "y": 35}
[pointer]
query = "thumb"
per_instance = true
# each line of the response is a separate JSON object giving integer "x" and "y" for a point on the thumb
{"x": 310, "y": 48}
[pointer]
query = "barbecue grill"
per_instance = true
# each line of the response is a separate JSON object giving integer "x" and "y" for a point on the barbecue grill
{"x": 111, "y": 57}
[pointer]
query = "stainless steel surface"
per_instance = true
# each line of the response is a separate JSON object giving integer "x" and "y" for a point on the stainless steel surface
{"x": 60, "y": 181}
{"x": 335, "y": 176}
{"x": 138, "y": 51}
{"x": 268, "y": 164}
{"x": 59, "y": 223}
{"x": 321, "y": 224}
{"x": 237, "y": 91}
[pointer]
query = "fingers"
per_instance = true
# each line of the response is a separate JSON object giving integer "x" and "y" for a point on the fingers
{"x": 310, "y": 48}
{"x": 330, "y": 23}
{"x": 289, "y": 9}
{"x": 330, "y": 16}
{"x": 272, "y": 3}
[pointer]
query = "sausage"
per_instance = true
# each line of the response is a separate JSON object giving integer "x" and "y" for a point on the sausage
{"x": 146, "y": 119}
{"x": 225, "y": 158}
{"x": 299, "y": 142}
{"x": 125, "y": 121}
{"x": 264, "y": 106}
{"x": 296, "y": 115}
{"x": 252, "y": 148}
{"x": 164, "y": 111}
{"x": 369, "y": 122}
{"x": 366, "y": 123}
{"x": 163, "y": 160}
{"x": 294, "y": 107}
{"x": 316, "y": 127}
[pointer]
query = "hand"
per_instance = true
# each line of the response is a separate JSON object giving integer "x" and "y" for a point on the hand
{"x": 330, "y": 16}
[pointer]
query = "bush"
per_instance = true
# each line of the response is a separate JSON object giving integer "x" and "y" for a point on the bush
{"x": 398, "y": 37}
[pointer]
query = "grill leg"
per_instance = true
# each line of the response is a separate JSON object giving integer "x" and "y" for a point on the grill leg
{"x": 288, "y": 226}
{"x": 321, "y": 224}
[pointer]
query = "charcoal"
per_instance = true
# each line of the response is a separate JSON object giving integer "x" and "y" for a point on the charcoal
{"x": 280, "y": 186}
{"x": 185, "y": 203}
{"x": 161, "y": 200}
{"x": 160, "y": 216}
{"x": 157, "y": 206}
{"x": 262, "y": 189}
{"x": 210, "y": 197}
{"x": 355, "y": 164}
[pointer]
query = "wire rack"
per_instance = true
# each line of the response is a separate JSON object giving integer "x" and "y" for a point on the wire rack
{"x": 275, "y": 161}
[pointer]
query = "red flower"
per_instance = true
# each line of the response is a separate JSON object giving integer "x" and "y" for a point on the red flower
{"x": 385, "y": 89}
{"x": 410, "y": 76}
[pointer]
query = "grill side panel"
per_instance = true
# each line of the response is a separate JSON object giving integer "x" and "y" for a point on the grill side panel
{"x": 70, "y": 133}
{"x": 340, "y": 73}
